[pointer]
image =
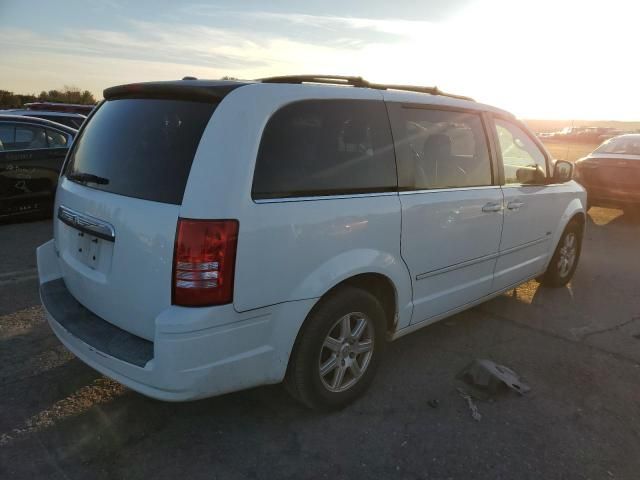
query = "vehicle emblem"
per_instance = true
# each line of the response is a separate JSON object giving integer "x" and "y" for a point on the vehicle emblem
{"x": 86, "y": 223}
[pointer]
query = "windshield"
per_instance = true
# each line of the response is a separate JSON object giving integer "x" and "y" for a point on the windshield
{"x": 621, "y": 145}
{"x": 140, "y": 148}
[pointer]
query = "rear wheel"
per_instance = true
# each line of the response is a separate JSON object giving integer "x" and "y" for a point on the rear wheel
{"x": 564, "y": 262}
{"x": 338, "y": 351}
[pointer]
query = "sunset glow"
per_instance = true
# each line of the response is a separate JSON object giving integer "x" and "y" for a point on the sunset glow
{"x": 542, "y": 59}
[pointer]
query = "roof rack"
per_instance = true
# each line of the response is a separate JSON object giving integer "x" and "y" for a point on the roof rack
{"x": 358, "y": 82}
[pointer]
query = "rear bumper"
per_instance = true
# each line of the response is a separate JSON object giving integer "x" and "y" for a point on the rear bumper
{"x": 605, "y": 197}
{"x": 195, "y": 353}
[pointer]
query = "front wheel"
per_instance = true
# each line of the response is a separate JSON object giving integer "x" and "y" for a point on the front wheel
{"x": 338, "y": 351}
{"x": 564, "y": 262}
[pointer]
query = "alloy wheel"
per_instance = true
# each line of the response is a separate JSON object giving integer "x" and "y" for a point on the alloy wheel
{"x": 346, "y": 352}
{"x": 568, "y": 254}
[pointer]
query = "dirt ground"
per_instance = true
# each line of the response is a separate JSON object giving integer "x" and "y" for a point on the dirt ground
{"x": 577, "y": 347}
{"x": 570, "y": 151}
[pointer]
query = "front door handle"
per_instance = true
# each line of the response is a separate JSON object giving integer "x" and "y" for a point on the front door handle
{"x": 492, "y": 207}
{"x": 515, "y": 205}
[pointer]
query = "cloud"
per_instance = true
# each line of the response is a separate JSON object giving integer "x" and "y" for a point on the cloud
{"x": 144, "y": 42}
{"x": 256, "y": 41}
{"x": 251, "y": 49}
{"x": 157, "y": 50}
{"x": 518, "y": 57}
{"x": 432, "y": 10}
{"x": 329, "y": 30}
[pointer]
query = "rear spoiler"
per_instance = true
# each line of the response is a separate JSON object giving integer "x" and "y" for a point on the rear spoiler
{"x": 194, "y": 90}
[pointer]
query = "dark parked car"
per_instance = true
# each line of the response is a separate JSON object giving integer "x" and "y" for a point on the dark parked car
{"x": 581, "y": 134}
{"x": 73, "y": 120}
{"x": 60, "y": 107}
{"x": 32, "y": 151}
{"x": 611, "y": 173}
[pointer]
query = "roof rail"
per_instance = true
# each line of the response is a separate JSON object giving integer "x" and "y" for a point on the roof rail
{"x": 357, "y": 82}
{"x": 329, "y": 79}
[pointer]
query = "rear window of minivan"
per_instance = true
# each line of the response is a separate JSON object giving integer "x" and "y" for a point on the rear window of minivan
{"x": 140, "y": 147}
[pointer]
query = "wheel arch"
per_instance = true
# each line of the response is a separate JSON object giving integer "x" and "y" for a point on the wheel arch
{"x": 372, "y": 270}
{"x": 580, "y": 218}
{"x": 378, "y": 284}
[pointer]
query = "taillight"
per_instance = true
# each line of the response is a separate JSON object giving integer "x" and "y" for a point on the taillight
{"x": 204, "y": 260}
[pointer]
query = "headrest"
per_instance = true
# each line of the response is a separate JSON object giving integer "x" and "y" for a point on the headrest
{"x": 437, "y": 145}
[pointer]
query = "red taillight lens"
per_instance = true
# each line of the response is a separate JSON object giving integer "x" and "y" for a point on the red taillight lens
{"x": 204, "y": 260}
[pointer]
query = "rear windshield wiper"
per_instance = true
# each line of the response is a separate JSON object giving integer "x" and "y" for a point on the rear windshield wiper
{"x": 88, "y": 178}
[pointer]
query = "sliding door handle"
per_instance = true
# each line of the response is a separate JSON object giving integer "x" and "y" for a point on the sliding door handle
{"x": 515, "y": 205}
{"x": 492, "y": 207}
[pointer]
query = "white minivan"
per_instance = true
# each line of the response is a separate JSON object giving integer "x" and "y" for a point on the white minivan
{"x": 212, "y": 236}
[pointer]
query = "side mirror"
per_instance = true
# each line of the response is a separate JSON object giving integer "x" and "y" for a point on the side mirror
{"x": 562, "y": 171}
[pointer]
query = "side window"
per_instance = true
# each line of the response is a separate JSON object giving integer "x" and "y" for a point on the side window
{"x": 7, "y": 136}
{"x": 29, "y": 137}
{"x": 440, "y": 148}
{"x": 325, "y": 147}
{"x": 56, "y": 139}
{"x": 524, "y": 163}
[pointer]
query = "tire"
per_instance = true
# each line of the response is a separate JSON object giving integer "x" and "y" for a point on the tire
{"x": 324, "y": 337}
{"x": 564, "y": 262}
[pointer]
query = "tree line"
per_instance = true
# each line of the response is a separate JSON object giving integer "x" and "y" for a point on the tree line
{"x": 65, "y": 95}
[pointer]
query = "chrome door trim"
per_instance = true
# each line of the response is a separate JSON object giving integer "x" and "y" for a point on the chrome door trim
{"x": 324, "y": 197}
{"x": 484, "y": 258}
{"x": 449, "y": 189}
{"x": 456, "y": 266}
{"x": 87, "y": 224}
{"x": 526, "y": 245}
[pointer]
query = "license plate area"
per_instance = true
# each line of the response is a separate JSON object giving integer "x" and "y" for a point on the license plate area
{"x": 86, "y": 241}
{"x": 88, "y": 250}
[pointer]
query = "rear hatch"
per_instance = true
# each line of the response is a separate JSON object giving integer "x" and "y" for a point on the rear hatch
{"x": 119, "y": 200}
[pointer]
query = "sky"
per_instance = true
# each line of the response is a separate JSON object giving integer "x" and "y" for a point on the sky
{"x": 548, "y": 59}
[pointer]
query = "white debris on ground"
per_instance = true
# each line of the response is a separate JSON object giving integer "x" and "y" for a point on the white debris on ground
{"x": 475, "y": 414}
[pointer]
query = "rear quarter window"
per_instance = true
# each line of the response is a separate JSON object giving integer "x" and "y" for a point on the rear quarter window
{"x": 141, "y": 148}
{"x": 325, "y": 147}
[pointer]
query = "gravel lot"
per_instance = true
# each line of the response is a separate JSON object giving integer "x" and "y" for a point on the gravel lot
{"x": 578, "y": 348}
